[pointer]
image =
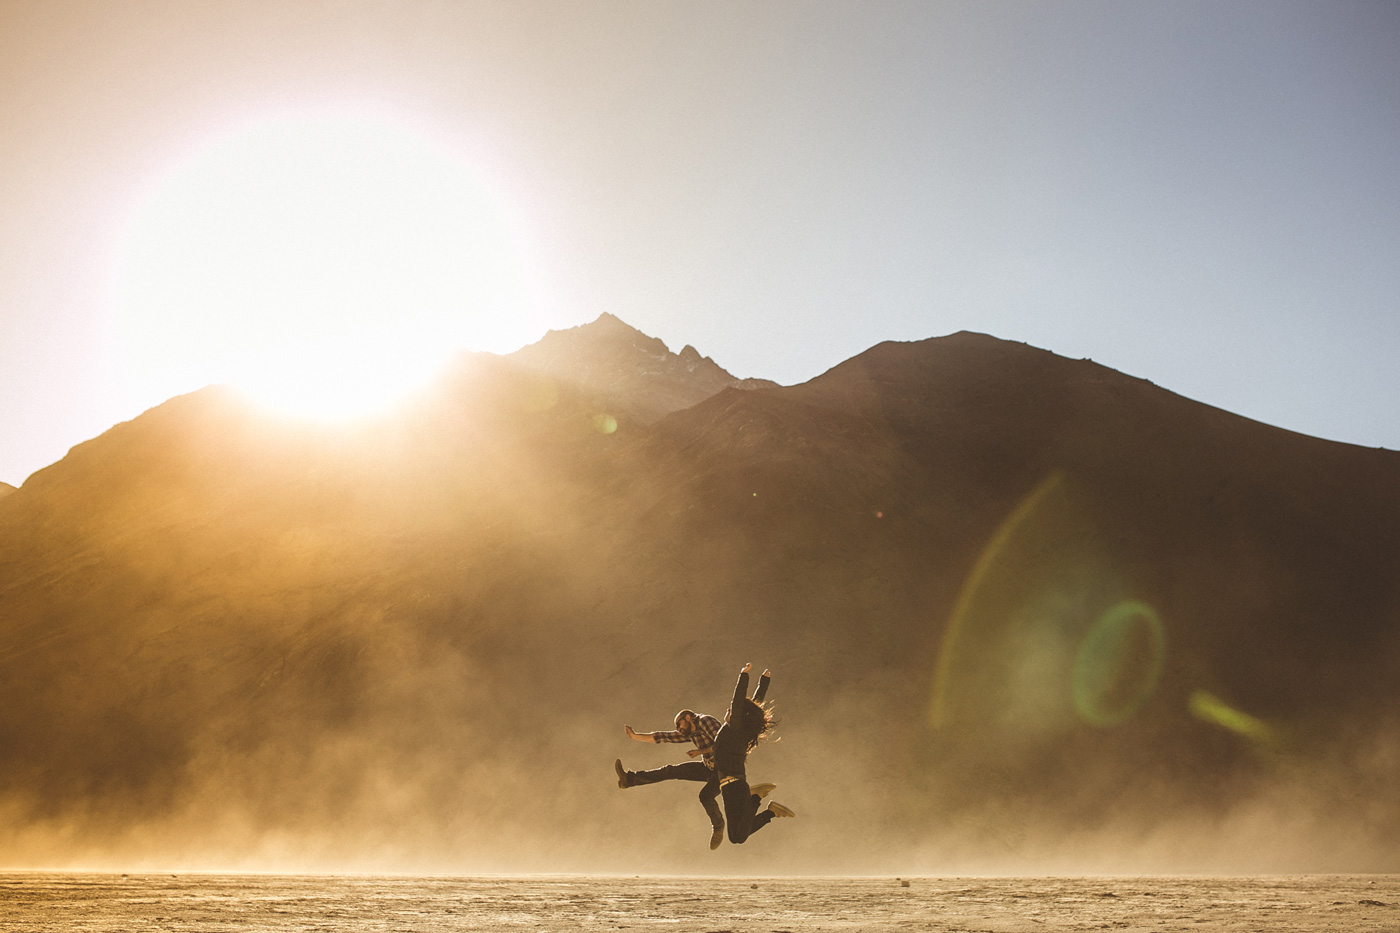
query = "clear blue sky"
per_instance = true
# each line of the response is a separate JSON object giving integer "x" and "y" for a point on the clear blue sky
{"x": 1204, "y": 194}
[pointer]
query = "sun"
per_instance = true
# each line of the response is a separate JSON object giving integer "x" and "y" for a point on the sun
{"x": 326, "y": 265}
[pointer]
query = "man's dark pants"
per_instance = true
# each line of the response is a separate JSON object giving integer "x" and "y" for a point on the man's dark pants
{"x": 687, "y": 771}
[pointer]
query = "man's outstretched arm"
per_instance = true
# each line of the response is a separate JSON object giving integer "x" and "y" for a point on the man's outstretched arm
{"x": 656, "y": 738}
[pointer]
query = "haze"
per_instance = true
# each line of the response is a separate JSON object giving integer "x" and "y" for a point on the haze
{"x": 1026, "y": 614}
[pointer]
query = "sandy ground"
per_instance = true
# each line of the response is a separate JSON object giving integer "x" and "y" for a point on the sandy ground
{"x": 210, "y": 903}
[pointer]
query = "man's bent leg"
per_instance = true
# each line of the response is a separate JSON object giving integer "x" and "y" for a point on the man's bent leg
{"x": 709, "y": 795}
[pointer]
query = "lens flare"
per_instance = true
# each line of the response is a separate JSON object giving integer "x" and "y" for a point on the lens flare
{"x": 978, "y": 581}
{"x": 1208, "y": 707}
{"x": 1118, "y": 664}
{"x": 1049, "y": 631}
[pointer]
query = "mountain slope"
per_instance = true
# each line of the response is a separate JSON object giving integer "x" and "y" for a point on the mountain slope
{"x": 1264, "y": 528}
{"x": 1019, "y": 607}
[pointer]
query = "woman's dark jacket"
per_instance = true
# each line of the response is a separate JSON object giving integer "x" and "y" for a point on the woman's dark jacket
{"x": 745, "y": 722}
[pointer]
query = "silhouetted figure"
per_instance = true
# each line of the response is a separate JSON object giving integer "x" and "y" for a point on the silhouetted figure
{"x": 700, "y": 729}
{"x": 744, "y": 725}
{"x": 690, "y": 727}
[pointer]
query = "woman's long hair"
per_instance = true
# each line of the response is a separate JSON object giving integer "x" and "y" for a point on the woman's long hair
{"x": 753, "y": 721}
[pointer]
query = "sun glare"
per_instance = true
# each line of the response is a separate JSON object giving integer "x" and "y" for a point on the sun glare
{"x": 327, "y": 266}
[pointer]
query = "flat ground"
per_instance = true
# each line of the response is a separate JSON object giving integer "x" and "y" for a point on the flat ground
{"x": 211, "y": 903}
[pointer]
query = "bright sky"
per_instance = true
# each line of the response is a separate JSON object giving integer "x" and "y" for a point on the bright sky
{"x": 1203, "y": 194}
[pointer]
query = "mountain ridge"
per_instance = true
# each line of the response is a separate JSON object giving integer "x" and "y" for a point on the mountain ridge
{"x": 636, "y": 372}
{"x": 219, "y": 629}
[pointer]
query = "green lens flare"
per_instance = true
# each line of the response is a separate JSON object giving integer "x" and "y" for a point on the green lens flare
{"x": 1118, "y": 664}
{"x": 980, "y": 580}
{"x": 605, "y": 424}
{"x": 1210, "y": 708}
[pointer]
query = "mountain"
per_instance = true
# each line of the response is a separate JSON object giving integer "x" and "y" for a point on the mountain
{"x": 5, "y": 489}
{"x": 634, "y": 373}
{"x": 1024, "y": 613}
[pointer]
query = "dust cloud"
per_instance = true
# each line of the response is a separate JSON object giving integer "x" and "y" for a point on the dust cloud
{"x": 233, "y": 642}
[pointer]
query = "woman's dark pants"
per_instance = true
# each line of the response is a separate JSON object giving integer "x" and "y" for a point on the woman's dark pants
{"x": 741, "y": 806}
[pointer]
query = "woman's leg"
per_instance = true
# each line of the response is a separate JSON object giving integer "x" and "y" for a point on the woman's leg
{"x": 738, "y": 809}
{"x": 761, "y": 818}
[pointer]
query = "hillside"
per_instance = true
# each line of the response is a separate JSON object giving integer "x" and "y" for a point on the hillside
{"x": 1020, "y": 608}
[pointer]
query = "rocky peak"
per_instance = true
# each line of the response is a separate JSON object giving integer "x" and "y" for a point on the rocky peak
{"x": 636, "y": 374}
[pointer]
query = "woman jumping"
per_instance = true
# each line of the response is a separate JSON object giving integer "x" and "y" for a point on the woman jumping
{"x": 746, "y": 722}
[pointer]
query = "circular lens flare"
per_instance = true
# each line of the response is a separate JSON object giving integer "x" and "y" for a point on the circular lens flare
{"x": 1118, "y": 664}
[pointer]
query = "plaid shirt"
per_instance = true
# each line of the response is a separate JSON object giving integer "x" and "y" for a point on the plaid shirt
{"x": 706, "y": 728}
